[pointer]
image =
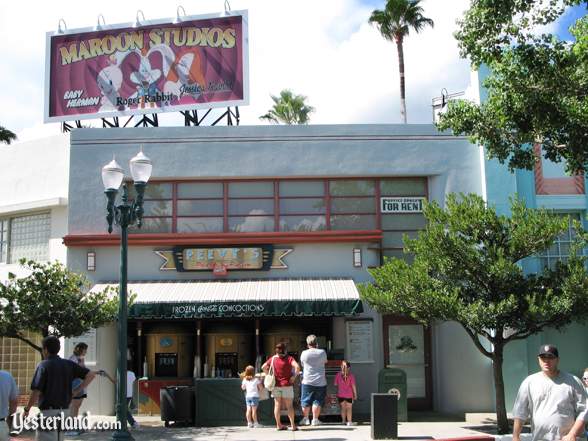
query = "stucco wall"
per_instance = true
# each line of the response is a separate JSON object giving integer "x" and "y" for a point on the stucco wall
{"x": 34, "y": 170}
{"x": 101, "y": 392}
{"x": 269, "y": 151}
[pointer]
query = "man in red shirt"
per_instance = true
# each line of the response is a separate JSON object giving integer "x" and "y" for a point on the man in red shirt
{"x": 286, "y": 369}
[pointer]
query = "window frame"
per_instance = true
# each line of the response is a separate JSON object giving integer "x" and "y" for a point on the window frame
{"x": 546, "y": 260}
{"x": 277, "y": 214}
{"x": 4, "y": 240}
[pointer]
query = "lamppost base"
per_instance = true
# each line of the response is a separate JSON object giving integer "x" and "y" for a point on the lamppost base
{"x": 122, "y": 435}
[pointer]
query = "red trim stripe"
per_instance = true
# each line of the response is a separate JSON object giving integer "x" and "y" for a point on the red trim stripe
{"x": 167, "y": 239}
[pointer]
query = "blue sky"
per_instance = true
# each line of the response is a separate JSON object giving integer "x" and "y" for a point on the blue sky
{"x": 568, "y": 19}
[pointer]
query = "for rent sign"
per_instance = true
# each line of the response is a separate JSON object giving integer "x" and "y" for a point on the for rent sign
{"x": 401, "y": 204}
{"x": 200, "y": 62}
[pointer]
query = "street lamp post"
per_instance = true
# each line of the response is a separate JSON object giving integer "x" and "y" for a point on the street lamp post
{"x": 123, "y": 215}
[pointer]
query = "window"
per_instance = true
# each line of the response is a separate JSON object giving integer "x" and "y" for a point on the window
{"x": 353, "y": 205}
{"x": 158, "y": 207}
{"x": 269, "y": 205}
{"x": 3, "y": 240}
{"x": 396, "y": 225}
{"x": 560, "y": 250}
{"x": 302, "y": 206}
{"x": 199, "y": 207}
{"x": 251, "y": 207}
{"x": 25, "y": 237}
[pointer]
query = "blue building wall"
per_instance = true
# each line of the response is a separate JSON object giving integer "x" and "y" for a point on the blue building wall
{"x": 501, "y": 186}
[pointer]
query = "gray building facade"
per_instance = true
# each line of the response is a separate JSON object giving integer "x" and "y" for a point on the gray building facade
{"x": 317, "y": 196}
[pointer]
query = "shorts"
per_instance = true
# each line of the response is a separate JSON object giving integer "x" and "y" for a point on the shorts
{"x": 347, "y": 400}
{"x": 283, "y": 392}
{"x": 75, "y": 384}
{"x": 252, "y": 401}
{"x": 314, "y": 395}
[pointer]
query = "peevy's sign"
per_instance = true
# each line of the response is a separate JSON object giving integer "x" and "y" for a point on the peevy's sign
{"x": 207, "y": 258}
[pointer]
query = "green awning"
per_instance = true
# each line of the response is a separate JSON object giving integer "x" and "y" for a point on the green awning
{"x": 243, "y": 298}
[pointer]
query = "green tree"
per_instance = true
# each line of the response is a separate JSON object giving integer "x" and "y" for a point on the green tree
{"x": 6, "y": 136}
{"x": 466, "y": 269}
{"x": 395, "y": 23}
{"x": 289, "y": 109}
{"x": 52, "y": 301}
{"x": 537, "y": 87}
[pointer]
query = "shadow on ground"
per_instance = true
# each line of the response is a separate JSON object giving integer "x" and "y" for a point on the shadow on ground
{"x": 435, "y": 417}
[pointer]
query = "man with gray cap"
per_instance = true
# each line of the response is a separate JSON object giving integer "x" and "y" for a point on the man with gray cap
{"x": 555, "y": 401}
{"x": 314, "y": 381}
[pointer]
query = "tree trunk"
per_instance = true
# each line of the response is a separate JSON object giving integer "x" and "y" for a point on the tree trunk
{"x": 402, "y": 83}
{"x": 497, "y": 357}
{"x": 501, "y": 418}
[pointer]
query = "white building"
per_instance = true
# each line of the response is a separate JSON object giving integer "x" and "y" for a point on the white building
{"x": 33, "y": 221}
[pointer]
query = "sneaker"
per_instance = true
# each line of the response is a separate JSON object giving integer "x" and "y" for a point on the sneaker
{"x": 304, "y": 422}
{"x": 257, "y": 425}
{"x": 351, "y": 423}
{"x": 250, "y": 425}
{"x": 316, "y": 422}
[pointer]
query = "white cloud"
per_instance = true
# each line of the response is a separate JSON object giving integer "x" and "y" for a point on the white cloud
{"x": 324, "y": 49}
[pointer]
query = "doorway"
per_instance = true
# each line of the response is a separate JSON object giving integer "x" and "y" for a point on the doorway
{"x": 407, "y": 346}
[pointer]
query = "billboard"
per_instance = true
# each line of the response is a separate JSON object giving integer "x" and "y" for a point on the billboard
{"x": 160, "y": 66}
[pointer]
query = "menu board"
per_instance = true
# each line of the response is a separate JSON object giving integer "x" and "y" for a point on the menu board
{"x": 360, "y": 341}
{"x": 166, "y": 364}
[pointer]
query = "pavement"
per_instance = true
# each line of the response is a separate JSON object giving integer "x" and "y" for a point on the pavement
{"x": 152, "y": 429}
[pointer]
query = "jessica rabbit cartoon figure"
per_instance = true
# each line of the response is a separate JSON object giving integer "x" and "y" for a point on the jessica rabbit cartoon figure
{"x": 185, "y": 76}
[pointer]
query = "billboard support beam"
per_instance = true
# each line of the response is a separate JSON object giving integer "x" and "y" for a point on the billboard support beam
{"x": 145, "y": 121}
{"x": 106, "y": 123}
{"x": 67, "y": 127}
{"x": 191, "y": 118}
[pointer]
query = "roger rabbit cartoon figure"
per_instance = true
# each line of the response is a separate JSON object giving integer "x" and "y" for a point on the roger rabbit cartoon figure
{"x": 185, "y": 76}
{"x": 146, "y": 77}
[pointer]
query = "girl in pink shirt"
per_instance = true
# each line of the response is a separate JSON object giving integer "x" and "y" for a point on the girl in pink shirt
{"x": 346, "y": 391}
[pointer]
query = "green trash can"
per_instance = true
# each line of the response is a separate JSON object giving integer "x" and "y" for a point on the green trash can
{"x": 393, "y": 381}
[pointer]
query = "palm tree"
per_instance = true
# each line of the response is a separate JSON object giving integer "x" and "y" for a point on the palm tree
{"x": 289, "y": 109}
{"x": 394, "y": 23}
{"x": 6, "y": 136}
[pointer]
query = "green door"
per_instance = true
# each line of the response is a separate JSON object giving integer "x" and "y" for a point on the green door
{"x": 407, "y": 346}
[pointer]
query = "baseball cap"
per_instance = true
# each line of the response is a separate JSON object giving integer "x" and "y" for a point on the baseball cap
{"x": 548, "y": 350}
